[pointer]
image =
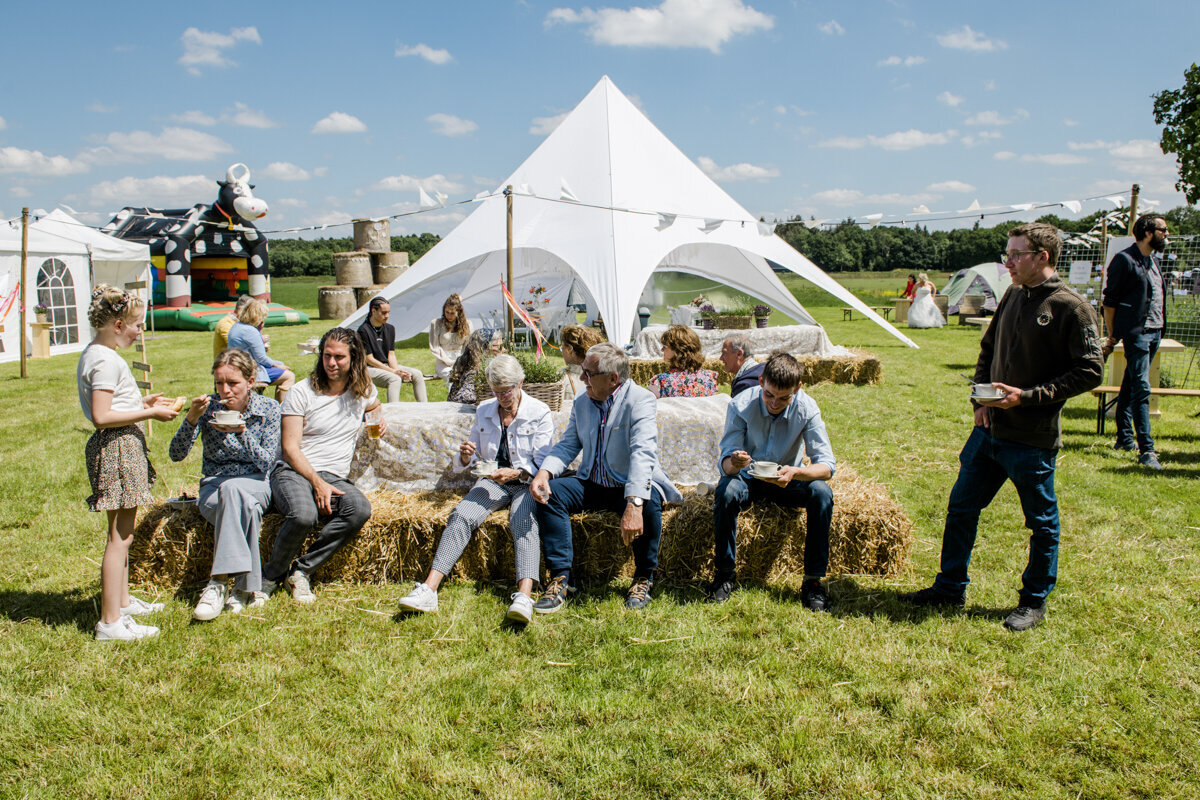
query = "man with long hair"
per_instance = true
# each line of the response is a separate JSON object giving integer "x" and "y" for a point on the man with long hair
{"x": 322, "y": 418}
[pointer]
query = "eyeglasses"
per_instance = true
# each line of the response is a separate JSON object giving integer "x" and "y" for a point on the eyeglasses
{"x": 1013, "y": 255}
{"x": 1160, "y": 230}
{"x": 506, "y": 392}
{"x": 587, "y": 375}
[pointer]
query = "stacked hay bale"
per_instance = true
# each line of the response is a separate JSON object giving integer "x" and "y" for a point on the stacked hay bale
{"x": 363, "y": 272}
{"x": 858, "y": 367}
{"x": 870, "y": 535}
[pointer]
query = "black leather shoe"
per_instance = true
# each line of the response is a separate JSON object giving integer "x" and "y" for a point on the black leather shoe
{"x": 720, "y": 590}
{"x": 934, "y": 597}
{"x": 813, "y": 596}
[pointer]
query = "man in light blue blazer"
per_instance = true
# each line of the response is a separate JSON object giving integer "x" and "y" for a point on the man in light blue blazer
{"x": 614, "y": 430}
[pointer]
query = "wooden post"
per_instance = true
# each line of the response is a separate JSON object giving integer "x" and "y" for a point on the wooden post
{"x": 23, "y": 291}
{"x": 1133, "y": 198}
{"x": 142, "y": 363}
{"x": 1103, "y": 267}
{"x": 508, "y": 312}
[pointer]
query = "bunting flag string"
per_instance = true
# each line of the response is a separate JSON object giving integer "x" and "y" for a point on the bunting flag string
{"x": 7, "y": 302}
{"x": 526, "y": 318}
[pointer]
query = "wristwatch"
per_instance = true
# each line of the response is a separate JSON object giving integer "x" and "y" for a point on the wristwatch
{"x": 636, "y": 502}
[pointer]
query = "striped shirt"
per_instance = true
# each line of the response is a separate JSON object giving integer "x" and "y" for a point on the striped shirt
{"x": 599, "y": 473}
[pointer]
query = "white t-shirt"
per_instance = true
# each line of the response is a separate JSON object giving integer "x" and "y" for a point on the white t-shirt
{"x": 331, "y": 425}
{"x": 100, "y": 367}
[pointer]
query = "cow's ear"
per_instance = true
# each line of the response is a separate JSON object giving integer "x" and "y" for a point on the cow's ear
{"x": 222, "y": 183}
{"x": 251, "y": 185}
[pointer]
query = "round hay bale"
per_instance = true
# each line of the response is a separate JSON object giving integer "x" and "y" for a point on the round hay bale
{"x": 385, "y": 275}
{"x": 396, "y": 259}
{"x": 352, "y": 268}
{"x": 336, "y": 302}
{"x": 373, "y": 235}
{"x": 363, "y": 294}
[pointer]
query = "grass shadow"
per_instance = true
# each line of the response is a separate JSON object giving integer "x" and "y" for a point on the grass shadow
{"x": 78, "y": 607}
{"x": 851, "y": 600}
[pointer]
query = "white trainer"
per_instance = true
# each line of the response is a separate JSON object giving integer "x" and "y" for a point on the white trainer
{"x": 301, "y": 591}
{"x": 235, "y": 602}
{"x": 421, "y": 598}
{"x": 138, "y": 607}
{"x": 254, "y": 599}
{"x": 123, "y": 630}
{"x": 212, "y": 600}
{"x": 521, "y": 609}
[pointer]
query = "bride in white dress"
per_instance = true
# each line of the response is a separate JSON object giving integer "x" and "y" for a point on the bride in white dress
{"x": 924, "y": 312}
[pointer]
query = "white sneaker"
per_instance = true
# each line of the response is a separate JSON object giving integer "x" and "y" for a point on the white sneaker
{"x": 521, "y": 609}
{"x": 235, "y": 603}
{"x": 123, "y": 630}
{"x": 138, "y": 607}
{"x": 254, "y": 599}
{"x": 421, "y": 598}
{"x": 212, "y": 600}
{"x": 301, "y": 591}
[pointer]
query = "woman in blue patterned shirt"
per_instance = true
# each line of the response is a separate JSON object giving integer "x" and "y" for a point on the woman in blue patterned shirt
{"x": 234, "y": 492}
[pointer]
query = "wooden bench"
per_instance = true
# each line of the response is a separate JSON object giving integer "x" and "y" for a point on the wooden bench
{"x": 1103, "y": 404}
{"x": 848, "y": 312}
{"x": 982, "y": 322}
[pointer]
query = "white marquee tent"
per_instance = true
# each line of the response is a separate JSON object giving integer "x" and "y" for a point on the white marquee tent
{"x": 601, "y": 204}
{"x": 65, "y": 260}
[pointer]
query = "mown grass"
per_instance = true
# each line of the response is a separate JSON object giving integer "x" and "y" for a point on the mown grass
{"x": 756, "y": 698}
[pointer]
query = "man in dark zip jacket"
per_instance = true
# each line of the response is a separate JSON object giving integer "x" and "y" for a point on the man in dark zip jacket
{"x": 1042, "y": 347}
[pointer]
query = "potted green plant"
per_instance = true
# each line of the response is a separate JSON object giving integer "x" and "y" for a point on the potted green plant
{"x": 708, "y": 315}
{"x": 40, "y": 312}
{"x": 543, "y": 378}
{"x": 762, "y": 314}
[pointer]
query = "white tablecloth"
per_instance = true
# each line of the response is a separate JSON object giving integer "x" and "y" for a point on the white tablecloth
{"x": 423, "y": 438}
{"x": 807, "y": 340}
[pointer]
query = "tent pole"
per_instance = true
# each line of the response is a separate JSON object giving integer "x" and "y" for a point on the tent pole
{"x": 508, "y": 313}
{"x": 24, "y": 285}
{"x": 1133, "y": 198}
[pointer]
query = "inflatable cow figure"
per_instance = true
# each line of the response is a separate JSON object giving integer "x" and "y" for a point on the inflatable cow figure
{"x": 224, "y": 228}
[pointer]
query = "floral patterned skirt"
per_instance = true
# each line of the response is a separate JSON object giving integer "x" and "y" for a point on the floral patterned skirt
{"x": 119, "y": 469}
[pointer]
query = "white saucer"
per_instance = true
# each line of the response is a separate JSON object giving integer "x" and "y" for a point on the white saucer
{"x": 479, "y": 474}
{"x": 754, "y": 474}
{"x": 987, "y": 397}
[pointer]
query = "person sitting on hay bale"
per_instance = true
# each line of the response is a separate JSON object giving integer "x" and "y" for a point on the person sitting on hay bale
{"x": 322, "y": 419}
{"x": 511, "y": 433}
{"x": 482, "y": 344}
{"x": 234, "y": 493}
{"x": 246, "y": 334}
{"x": 379, "y": 339}
{"x": 737, "y": 356}
{"x": 614, "y": 428}
{"x": 221, "y": 332}
{"x": 768, "y": 431}
{"x": 576, "y": 340}
{"x": 686, "y": 378}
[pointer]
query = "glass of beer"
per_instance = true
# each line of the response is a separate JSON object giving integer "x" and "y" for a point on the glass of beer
{"x": 373, "y": 419}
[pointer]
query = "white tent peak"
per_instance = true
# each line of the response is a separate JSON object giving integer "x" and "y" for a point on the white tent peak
{"x": 628, "y": 180}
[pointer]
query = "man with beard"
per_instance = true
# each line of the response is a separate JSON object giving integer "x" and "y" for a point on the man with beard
{"x": 1135, "y": 315}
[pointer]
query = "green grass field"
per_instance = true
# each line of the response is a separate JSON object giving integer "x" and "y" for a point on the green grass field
{"x": 754, "y": 699}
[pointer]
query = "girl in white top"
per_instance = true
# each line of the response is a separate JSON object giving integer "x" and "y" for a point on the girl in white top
{"x": 117, "y": 460}
{"x": 447, "y": 335}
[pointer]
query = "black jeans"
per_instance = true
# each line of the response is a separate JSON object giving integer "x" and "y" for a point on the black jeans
{"x": 294, "y": 498}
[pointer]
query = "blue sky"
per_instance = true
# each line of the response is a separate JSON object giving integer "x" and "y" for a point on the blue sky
{"x": 815, "y": 108}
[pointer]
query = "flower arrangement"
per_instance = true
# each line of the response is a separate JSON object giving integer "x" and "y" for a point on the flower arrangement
{"x": 538, "y": 300}
{"x": 708, "y": 310}
{"x": 700, "y": 300}
{"x": 40, "y": 310}
{"x": 762, "y": 311}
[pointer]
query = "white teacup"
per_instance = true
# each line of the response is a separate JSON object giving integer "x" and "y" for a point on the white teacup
{"x": 228, "y": 418}
{"x": 985, "y": 391}
{"x": 767, "y": 468}
{"x": 486, "y": 467}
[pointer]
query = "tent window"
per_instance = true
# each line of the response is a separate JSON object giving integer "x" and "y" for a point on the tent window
{"x": 56, "y": 291}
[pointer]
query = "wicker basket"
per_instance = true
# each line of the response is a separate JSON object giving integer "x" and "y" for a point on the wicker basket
{"x": 549, "y": 393}
{"x": 727, "y": 322}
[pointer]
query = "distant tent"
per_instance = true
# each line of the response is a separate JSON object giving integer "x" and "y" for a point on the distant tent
{"x": 989, "y": 280}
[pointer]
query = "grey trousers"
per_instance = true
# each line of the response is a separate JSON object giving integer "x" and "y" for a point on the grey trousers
{"x": 393, "y": 383}
{"x": 235, "y": 506}
{"x": 294, "y": 498}
{"x": 484, "y": 498}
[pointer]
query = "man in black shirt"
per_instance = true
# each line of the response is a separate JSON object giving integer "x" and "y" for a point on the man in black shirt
{"x": 379, "y": 340}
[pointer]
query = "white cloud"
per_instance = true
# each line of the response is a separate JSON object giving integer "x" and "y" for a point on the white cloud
{"x": 206, "y": 48}
{"x": 193, "y": 118}
{"x": 19, "y": 191}
{"x": 288, "y": 202}
{"x": 408, "y": 183}
{"x": 735, "y": 172}
{"x": 850, "y": 197}
{"x": 989, "y": 85}
{"x": 951, "y": 100}
{"x": 970, "y": 140}
{"x": 845, "y": 142}
{"x": 1070, "y": 123}
{"x": 950, "y": 186}
{"x": 900, "y": 140}
{"x": 34, "y": 162}
{"x": 284, "y": 171}
{"x": 241, "y": 114}
{"x": 450, "y": 125}
{"x": 3, "y": 124}
{"x": 544, "y": 126}
{"x": 831, "y": 28}
{"x": 1097, "y": 144}
{"x": 160, "y": 191}
{"x": 337, "y": 122}
{"x": 994, "y": 118}
{"x": 320, "y": 172}
{"x": 971, "y": 40}
{"x": 1143, "y": 158}
{"x": 426, "y": 52}
{"x": 173, "y": 144}
{"x": 1004, "y": 155}
{"x": 1049, "y": 159}
{"x": 100, "y": 108}
{"x": 706, "y": 24}
{"x": 897, "y": 61}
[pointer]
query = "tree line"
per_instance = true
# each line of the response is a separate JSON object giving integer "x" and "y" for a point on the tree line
{"x": 846, "y": 247}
